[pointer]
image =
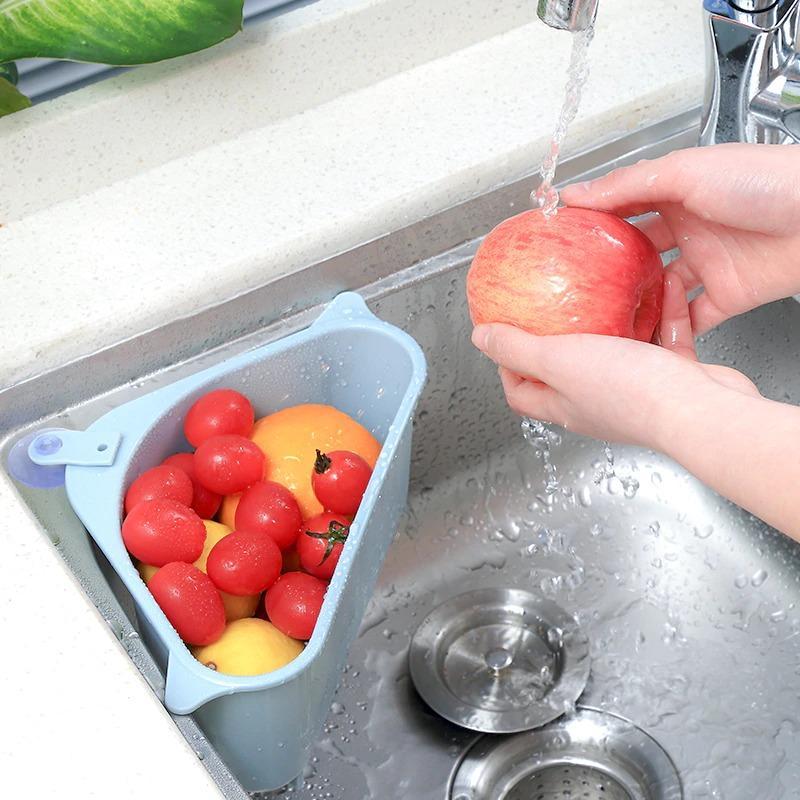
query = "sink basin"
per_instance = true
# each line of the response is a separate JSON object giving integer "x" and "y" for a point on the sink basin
{"x": 689, "y": 603}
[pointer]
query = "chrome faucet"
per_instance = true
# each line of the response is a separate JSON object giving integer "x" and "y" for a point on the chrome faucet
{"x": 567, "y": 15}
{"x": 753, "y": 66}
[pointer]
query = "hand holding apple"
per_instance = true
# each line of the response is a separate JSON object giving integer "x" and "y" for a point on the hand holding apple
{"x": 614, "y": 388}
{"x": 579, "y": 271}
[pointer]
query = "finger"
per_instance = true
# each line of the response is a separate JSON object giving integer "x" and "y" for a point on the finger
{"x": 655, "y": 228}
{"x": 684, "y": 270}
{"x": 633, "y": 190}
{"x": 514, "y": 349}
{"x": 528, "y": 399}
{"x": 675, "y": 330}
{"x": 705, "y": 314}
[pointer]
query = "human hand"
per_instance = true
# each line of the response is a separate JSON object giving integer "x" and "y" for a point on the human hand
{"x": 733, "y": 212}
{"x": 612, "y": 388}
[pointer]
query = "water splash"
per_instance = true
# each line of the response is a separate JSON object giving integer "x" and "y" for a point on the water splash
{"x": 546, "y": 195}
{"x": 607, "y": 471}
{"x": 543, "y": 440}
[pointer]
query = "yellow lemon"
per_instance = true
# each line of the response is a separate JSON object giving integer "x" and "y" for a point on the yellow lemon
{"x": 227, "y": 510}
{"x": 214, "y": 532}
{"x": 249, "y": 647}
{"x": 145, "y": 571}
{"x": 235, "y": 607}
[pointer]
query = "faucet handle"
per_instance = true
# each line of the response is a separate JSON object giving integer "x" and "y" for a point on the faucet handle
{"x": 753, "y": 6}
{"x": 762, "y": 15}
{"x": 778, "y": 104}
{"x": 568, "y": 15}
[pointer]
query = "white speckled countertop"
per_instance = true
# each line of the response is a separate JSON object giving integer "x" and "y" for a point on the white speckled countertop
{"x": 136, "y": 200}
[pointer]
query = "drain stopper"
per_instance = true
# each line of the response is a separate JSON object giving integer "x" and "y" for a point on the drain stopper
{"x": 499, "y": 660}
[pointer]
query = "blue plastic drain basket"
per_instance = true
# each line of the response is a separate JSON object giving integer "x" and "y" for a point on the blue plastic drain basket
{"x": 264, "y": 726}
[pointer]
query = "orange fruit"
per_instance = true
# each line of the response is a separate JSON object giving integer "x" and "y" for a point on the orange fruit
{"x": 290, "y": 439}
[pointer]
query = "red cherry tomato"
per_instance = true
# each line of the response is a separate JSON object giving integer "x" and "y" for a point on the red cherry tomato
{"x": 162, "y": 482}
{"x": 228, "y": 464}
{"x": 340, "y": 479}
{"x": 159, "y": 531}
{"x": 268, "y": 507}
{"x": 204, "y": 502}
{"x": 190, "y": 602}
{"x": 216, "y": 413}
{"x": 293, "y": 603}
{"x": 320, "y": 544}
{"x": 244, "y": 563}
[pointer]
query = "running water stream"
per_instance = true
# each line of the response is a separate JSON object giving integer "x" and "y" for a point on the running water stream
{"x": 546, "y": 195}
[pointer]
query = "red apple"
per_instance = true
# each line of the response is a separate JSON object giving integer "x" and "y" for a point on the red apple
{"x": 579, "y": 271}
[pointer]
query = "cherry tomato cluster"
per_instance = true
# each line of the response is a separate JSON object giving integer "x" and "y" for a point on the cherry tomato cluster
{"x": 272, "y": 549}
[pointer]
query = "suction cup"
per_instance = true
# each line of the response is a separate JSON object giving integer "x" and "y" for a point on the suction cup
{"x": 22, "y": 468}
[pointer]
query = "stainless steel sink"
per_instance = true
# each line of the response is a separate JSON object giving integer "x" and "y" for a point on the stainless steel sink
{"x": 690, "y": 604}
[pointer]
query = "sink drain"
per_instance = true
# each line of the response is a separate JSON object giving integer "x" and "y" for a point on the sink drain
{"x": 568, "y": 782}
{"x": 499, "y": 660}
{"x": 590, "y": 755}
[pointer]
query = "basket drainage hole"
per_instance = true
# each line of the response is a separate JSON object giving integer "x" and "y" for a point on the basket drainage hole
{"x": 102, "y": 447}
{"x": 568, "y": 782}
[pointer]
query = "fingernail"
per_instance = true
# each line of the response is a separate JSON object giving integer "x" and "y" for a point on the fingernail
{"x": 480, "y": 336}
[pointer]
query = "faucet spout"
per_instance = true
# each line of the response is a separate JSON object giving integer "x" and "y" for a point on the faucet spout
{"x": 568, "y": 15}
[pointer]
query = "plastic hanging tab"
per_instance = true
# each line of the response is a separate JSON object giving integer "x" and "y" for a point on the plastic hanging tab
{"x": 74, "y": 448}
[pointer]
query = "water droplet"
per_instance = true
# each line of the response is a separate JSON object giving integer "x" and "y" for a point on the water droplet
{"x": 704, "y": 531}
{"x": 759, "y": 577}
{"x": 630, "y": 486}
{"x": 740, "y": 581}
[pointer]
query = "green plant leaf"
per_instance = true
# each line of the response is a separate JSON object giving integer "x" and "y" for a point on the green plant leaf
{"x": 11, "y": 98}
{"x": 118, "y": 32}
{"x": 9, "y": 72}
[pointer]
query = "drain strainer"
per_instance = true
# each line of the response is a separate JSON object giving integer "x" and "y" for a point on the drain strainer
{"x": 499, "y": 660}
{"x": 590, "y": 755}
{"x": 568, "y": 782}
